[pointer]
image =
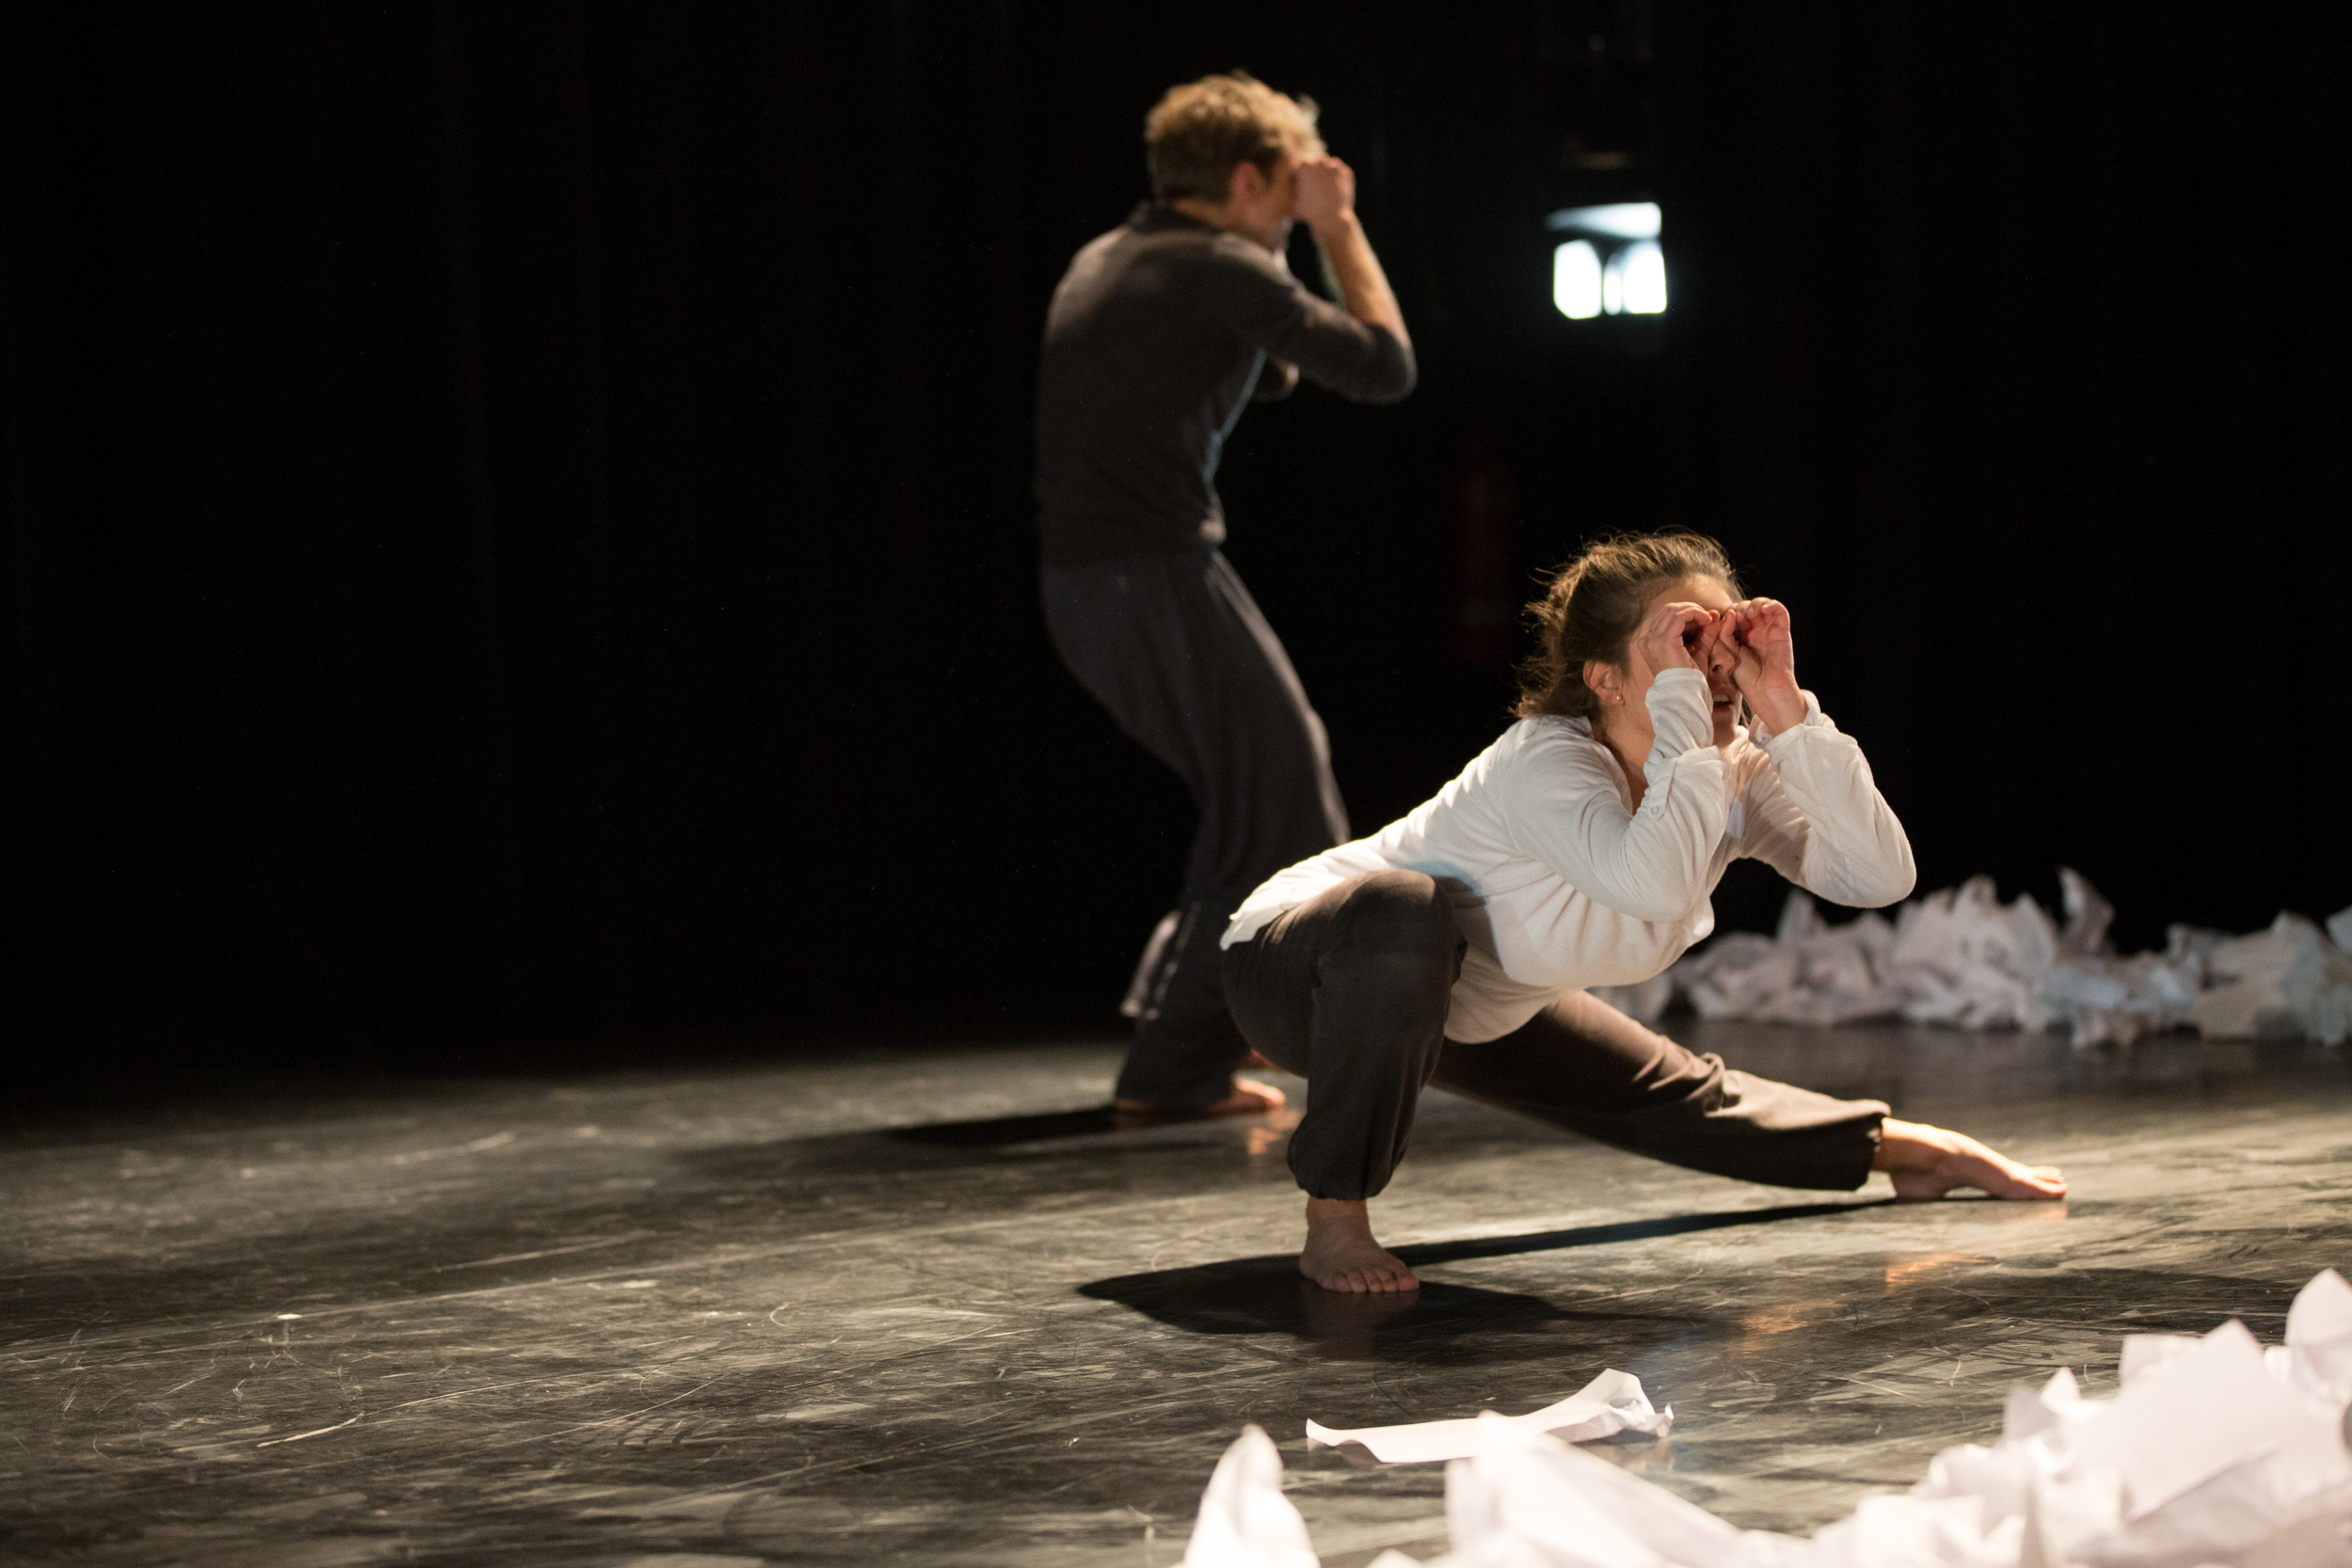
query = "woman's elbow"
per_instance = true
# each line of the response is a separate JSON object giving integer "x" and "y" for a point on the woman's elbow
{"x": 1877, "y": 888}
{"x": 1893, "y": 892}
{"x": 1662, "y": 906}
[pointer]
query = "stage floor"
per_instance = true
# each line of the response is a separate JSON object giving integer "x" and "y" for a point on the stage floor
{"x": 926, "y": 1307}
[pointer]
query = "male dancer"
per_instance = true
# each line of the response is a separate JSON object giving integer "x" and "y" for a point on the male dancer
{"x": 1158, "y": 334}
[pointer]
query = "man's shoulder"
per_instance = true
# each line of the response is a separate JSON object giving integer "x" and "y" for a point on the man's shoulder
{"x": 1163, "y": 263}
{"x": 1190, "y": 245}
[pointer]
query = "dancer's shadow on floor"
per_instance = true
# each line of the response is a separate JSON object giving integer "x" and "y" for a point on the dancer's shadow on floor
{"x": 1011, "y": 1132}
{"x": 1439, "y": 1321}
{"x": 1036, "y": 1139}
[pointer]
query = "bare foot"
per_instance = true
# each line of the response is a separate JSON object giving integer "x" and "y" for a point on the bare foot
{"x": 1249, "y": 1097}
{"x": 1340, "y": 1255}
{"x": 1928, "y": 1161}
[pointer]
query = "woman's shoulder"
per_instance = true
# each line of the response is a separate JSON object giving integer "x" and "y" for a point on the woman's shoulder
{"x": 1550, "y": 745}
{"x": 1551, "y": 731}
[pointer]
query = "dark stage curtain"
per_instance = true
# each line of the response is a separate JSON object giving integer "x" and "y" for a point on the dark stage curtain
{"x": 517, "y": 525}
{"x": 2023, "y": 345}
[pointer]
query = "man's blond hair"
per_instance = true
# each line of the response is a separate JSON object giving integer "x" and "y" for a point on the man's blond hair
{"x": 1200, "y": 132}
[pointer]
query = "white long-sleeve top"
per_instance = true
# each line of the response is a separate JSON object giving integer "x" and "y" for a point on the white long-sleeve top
{"x": 1560, "y": 883}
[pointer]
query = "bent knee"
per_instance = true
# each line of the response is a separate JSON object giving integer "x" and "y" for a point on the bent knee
{"x": 1402, "y": 913}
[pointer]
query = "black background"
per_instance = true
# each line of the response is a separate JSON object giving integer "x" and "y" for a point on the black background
{"x": 518, "y": 541}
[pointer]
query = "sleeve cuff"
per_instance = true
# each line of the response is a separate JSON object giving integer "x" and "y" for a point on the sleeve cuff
{"x": 1814, "y": 718}
{"x": 1681, "y": 717}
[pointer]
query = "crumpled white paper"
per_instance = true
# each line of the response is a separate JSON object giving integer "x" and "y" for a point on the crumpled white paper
{"x": 1245, "y": 1521}
{"x": 1612, "y": 1403}
{"x": 2290, "y": 979}
{"x": 1961, "y": 957}
{"x": 2215, "y": 1452}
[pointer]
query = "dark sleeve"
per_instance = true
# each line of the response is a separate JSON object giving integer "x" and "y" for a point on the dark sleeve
{"x": 1273, "y": 387}
{"x": 1270, "y": 311}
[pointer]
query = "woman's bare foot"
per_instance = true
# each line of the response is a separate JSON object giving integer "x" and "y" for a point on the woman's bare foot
{"x": 1928, "y": 1161}
{"x": 1249, "y": 1097}
{"x": 1340, "y": 1255}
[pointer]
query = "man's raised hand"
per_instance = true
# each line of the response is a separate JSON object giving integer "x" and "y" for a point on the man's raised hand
{"x": 1327, "y": 194}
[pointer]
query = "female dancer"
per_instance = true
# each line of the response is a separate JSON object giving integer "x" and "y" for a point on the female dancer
{"x": 1453, "y": 946}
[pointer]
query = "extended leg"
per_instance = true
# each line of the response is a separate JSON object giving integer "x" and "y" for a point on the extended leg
{"x": 1582, "y": 1065}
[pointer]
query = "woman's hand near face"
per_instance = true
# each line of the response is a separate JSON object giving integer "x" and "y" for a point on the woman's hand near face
{"x": 1764, "y": 664}
{"x": 1717, "y": 648}
{"x": 1675, "y": 637}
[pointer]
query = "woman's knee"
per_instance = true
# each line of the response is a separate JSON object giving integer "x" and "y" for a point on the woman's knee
{"x": 1403, "y": 918}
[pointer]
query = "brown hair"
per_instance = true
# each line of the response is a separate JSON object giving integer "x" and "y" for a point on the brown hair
{"x": 1594, "y": 605}
{"x": 1197, "y": 133}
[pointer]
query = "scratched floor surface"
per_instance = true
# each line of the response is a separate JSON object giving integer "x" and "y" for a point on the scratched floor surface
{"x": 929, "y": 1308}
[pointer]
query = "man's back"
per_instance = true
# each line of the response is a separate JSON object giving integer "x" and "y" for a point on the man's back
{"x": 1152, "y": 344}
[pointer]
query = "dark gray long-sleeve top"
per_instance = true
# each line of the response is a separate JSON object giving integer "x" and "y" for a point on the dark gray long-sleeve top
{"x": 1153, "y": 343}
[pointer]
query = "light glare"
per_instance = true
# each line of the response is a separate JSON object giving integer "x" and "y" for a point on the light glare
{"x": 1575, "y": 281}
{"x": 1617, "y": 220}
{"x": 1644, "y": 268}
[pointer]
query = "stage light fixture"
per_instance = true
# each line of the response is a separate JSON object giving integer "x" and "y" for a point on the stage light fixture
{"x": 1614, "y": 267}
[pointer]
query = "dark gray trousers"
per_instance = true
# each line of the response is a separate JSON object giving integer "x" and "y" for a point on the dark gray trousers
{"x": 1176, "y": 649}
{"x": 1350, "y": 990}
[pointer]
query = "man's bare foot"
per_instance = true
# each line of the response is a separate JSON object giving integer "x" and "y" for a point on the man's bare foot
{"x": 1928, "y": 1161}
{"x": 1340, "y": 1255}
{"x": 1249, "y": 1097}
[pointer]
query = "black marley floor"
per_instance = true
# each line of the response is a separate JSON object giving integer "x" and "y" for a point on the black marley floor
{"x": 929, "y": 1307}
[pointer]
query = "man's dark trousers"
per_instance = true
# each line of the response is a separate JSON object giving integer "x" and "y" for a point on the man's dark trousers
{"x": 1175, "y": 648}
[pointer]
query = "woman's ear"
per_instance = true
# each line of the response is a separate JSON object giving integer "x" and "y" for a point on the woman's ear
{"x": 1606, "y": 681}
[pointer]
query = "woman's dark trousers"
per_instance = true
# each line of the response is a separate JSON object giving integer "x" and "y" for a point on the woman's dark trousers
{"x": 1350, "y": 990}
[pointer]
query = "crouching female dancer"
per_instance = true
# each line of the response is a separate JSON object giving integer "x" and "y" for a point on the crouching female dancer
{"x": 1453, "y": 946}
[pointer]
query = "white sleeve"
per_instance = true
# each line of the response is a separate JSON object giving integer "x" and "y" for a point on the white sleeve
{"x": 1810, "y": 810}
{"x": 1566, "y": 813}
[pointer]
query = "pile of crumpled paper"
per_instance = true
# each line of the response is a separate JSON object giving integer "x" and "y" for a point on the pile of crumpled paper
{"x": 1962, "y": 958}
{"x": 2215, "y": 1451}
